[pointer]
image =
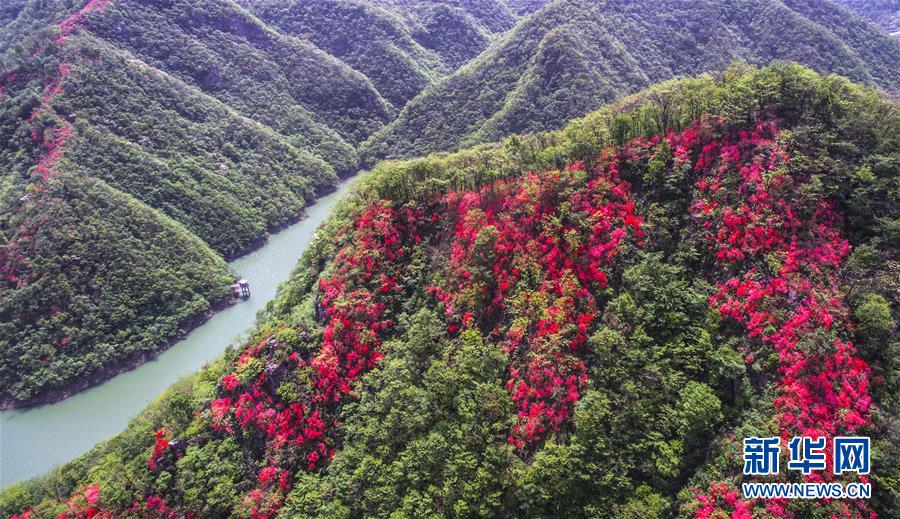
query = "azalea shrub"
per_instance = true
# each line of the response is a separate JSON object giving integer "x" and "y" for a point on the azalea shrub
{"x": 574, "y": 327}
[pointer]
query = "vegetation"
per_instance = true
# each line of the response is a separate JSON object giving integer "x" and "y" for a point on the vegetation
{"x": 525, "y": 7}
{"x": 366, "y": 37}
{"x": 226, "y": 118}
{"x": 87, "y": 124}
{"x": 574, "y": 55}
{"x": 401, "y": 47}
{"x": 577, "y": 323}
{"x": 200, "y": 119}
{"x": 93, "y": 279}
{"x": 582, "y": 322}
{"x": 10, "y": 11}
{"x": 882, "y": 12}
{"x": 309, "y": 97}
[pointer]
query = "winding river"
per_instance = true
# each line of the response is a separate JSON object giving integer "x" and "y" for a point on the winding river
{"x": 35, "y": 440}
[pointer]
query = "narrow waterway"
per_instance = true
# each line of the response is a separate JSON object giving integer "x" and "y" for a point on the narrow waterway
{"x": 33, "y": 441}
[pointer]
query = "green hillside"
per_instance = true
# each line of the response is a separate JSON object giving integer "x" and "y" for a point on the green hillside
{"x": 526, "y": 7}
{"x": 10, "y": 11}
{"x": 314, "y": 100}
{"x": 401, "y": 46}
{"x": 573, "y": 55}
{"x": 884, "y": 13}
{"x": 189, "y": 161}
{"x": 495, "y": 15}
{"x": 194, "y": 114}
{"x": 159, "y": 147}
{"x": 577, "y": 323}
{"x": 363, "y": 35}
{"x": 159, "y": 138}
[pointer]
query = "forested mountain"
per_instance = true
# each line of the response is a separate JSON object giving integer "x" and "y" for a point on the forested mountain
{"x": 577, "y": 323}
{"x": 10, "y": 10}
{"x": 495, "y": 15}
{"x": 113, "y": 169}
{"x": 145, "y": 141}
{"x": 573, "y": 55}
{"x": 885, "y": 13}
{"x": 525, "y": 7}
{"x": 377, "y": 42}
{"x": 403, "y": 46}
{"x": 202, "y": 121}
{"x": 312, "y": 99}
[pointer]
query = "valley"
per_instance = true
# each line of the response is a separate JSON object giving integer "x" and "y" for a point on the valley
{"x": 596, "y": 244}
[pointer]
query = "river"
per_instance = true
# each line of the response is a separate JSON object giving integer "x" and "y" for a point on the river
{"x": 35, "y": 440}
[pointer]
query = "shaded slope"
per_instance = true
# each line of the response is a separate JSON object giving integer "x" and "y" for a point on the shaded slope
{"x": 10, "y": 11}
{"x": 124, "y": 185}
{"x": 365, "y": 36}
{"x": 226, "y": 178}
{"x": 94, "y": 282}
{"x": 863, "y": 40}
{"x": 316, "y": 101}
{"x": 285, "y": 83}
{"x": 885, "y": 13}
{"x": 453, "y": 34}
{"x": 639, "y": 42}
{"x": 94, "y": 279}
{"x": 526, "y": 7}
{"x": 495, "y": 15}
{"x": 399, "y": 46}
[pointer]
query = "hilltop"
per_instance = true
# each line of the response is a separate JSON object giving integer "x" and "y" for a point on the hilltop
{"x": 479, "y": 333}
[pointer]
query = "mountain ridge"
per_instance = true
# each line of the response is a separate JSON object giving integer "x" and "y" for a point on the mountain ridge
{"x": 453, "y": 113}
{"x": 481, "y": 330}
{"x": 230, "y": 122}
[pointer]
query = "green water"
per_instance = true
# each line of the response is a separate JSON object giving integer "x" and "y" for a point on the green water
{"x": 35, "y": 440}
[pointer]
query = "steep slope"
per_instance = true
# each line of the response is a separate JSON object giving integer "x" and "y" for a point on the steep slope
{"x": 495, "y": 15}
{"x": 204, "y": 126}
{"x": 572, "y": 54}
{"x": 482, "y": 331}
{"x": 196, "y": 112}
{"x": 363, "y": 35}
{"x": 401, "y": 46}
{"x": 10, "y": 11}
{"x": 316, "y": 101}
{"x": 95, "y": 280}
{"x": 453, "y": 34}
{"x": 163, "y": 142}
{"x": 885, "y": 13}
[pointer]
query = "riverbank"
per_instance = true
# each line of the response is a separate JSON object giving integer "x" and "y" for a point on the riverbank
{"x": 35, "y": 439}
{"x": 275, "y": 229}
{"x": 138, "y": 358}
{"x": 133, "y": 361}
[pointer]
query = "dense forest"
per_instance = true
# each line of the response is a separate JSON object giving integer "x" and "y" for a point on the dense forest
{"x": 573, "y": 55}
{"x": 636, "y": 233}
{"x": 885, "y": 13}
{"x": 207, "y": 127}
{"x": 581, "y": 323}
{"x": 211, "y": 123}
{"x": 123, "y": 188}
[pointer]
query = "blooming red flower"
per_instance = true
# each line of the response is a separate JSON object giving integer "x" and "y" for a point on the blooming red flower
{"x": 159, "y": 447}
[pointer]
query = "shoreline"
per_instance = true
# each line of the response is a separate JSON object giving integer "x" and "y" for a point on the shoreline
{"x": 133, "y": 361}
{"x": 260, "y": 242}
{"x": 139, "y": 358}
